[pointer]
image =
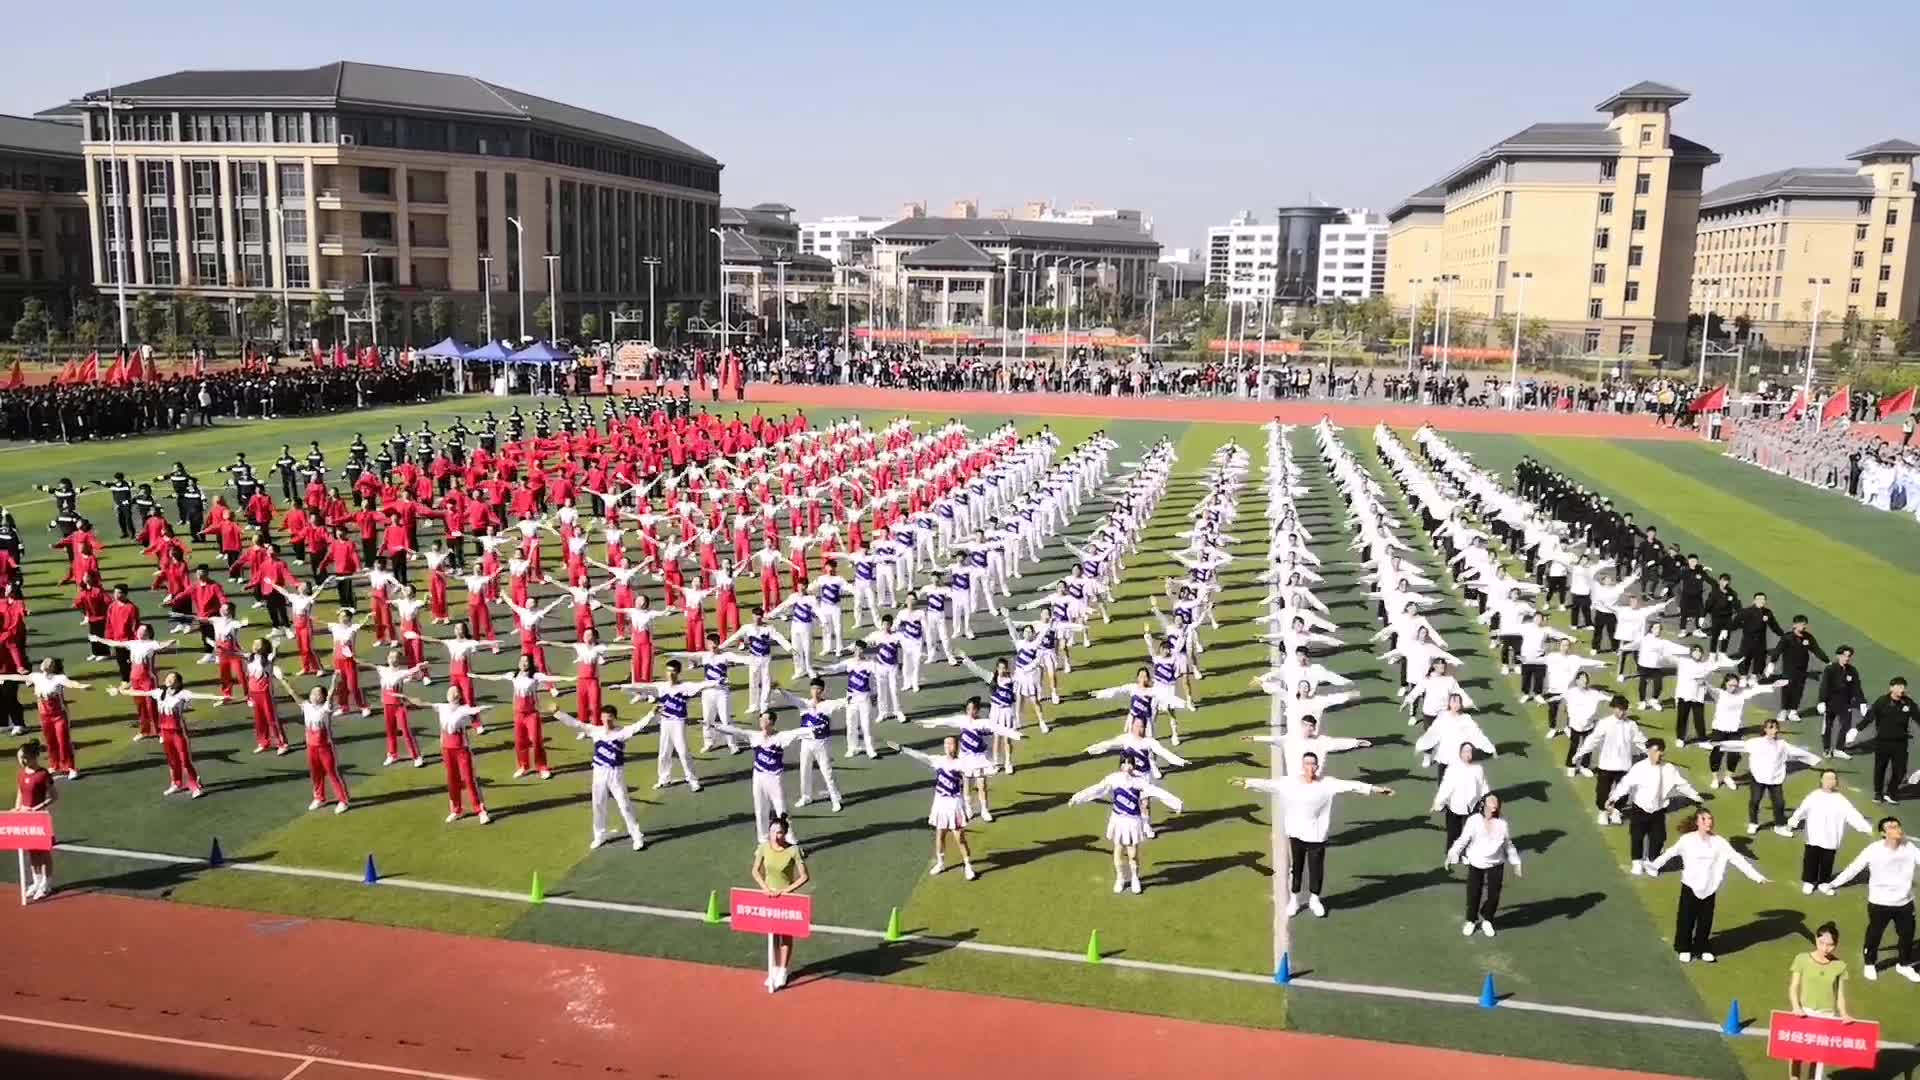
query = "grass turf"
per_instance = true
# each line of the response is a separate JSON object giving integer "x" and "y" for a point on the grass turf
{"x": 1208, "y": 900}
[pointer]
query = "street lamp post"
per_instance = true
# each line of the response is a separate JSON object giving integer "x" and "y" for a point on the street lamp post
{"x": 373, "y": 309}
{"x": 1006, "y": 305}
{"x": 720, "y": 250}
{"x": 520, "y": 257}
{"x": 116, "y": 191}
{"x": 1813, "y": 335}
{"x": 653, "y": 322}
{"x": 1446, "y": 326}
{"x": 1413, "y": 320}
{"x": 286, "y": 307}
{"x": 553, "y": 297}
{"x": 1709, "y": 290}
{"x": 780, "y": 286}
{"x": 486, "y": 291}
{"x": 1519, "y": 311}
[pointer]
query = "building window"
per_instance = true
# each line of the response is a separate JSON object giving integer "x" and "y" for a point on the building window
{"x": 250, "y": 230}
{"x": 1854, "y": 286}
{"x": 1636, "y": 255}
{"x": 376, "y": 182}
{"x": 293, "y": 181}
{"x": 1591, "y": 341}
{"x": 1606, "y": 202}
{"x": 1506, "y": 205}
{"x": 1886, "y": 246}
{"x": 1639, "y": 220}
{"x": 204, "y": 228}
{"x": 1646, "y": 134}
{"x": 153, "y": 177}
{"x": 1859, "y": 232}
{"x": 1593, "y": 308}
{"x": 159, "y": 220}
{"x": 1859, "y": 260}
{"x": 1879, "y": 299}
{"x": 1607, "y": 169}
{"x": 1601, "y": 239}
{"x": 1866, "y": 206}
{"x": 160, "y": 267}
{"x": 1643, "y": 184}
{"x": 1627, "y": 341}
{"x": 253, "y": 271}
{"x": 208, "y": 269}
{"x": 1633, "y": 291}
{"x": 201, "y": 174}
{"x": 1599, "y": 273}
{"x": 1499, "y": 305}
{"x": 1505, "y": 235}
{"x": 293, "y": 226}
{"x": 376, "y": 225}
{"x": 1886, "y": 272}
{"x": 298, "y": 275}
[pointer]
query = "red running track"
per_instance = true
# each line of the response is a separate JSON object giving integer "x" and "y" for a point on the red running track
{"x": 102, "y": 985}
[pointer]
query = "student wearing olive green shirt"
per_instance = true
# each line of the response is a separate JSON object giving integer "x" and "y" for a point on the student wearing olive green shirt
{"x": 1818, "y": 983}
{"x": 779, "y": 870}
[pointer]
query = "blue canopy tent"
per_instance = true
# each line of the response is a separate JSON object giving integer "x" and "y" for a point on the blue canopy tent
{"x": 447, "y": 349}
{"x": 491, "y": 353}
{"x": 541, "y": 355}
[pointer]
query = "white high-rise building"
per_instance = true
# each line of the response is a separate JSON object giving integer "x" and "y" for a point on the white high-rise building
{"x": 828, "y": 237}
{"x": 1241, "y": 258}
{"x": 1353, "y": 258}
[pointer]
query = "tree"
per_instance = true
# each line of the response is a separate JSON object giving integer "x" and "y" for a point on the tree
{"x": 149, "y": 318}
{"x": 543, "y": 319}
{"x": 1535, "y": 332}
{"x": 196, "y": 318}
{"x": 819, "y": 306}
{"x": 1899, "y": 335}
{"x": 1742, "y": 327}
{"x": 1501, "y": 331}
{"x": 33, "y": 324}
{"x": 676, "y": 319}
{"x": 589, "y": 326}
{"x": 1853, "y": 328}
{"x": 706, "y": 310}
{"x": 440, "y": 315}
{"x": 319, "y": 316}
{"x": 85, "y": 327}
{"x": 262, "y": 314}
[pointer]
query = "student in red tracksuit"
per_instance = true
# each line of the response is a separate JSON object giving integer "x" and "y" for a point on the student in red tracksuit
{"x": 92, "y": 602}
{"x": 459, "y": 670}
{"x": 529, "y": 748}
{"x": 50, "y": 684}
{"x": 346, "y": 668}
{"x": 317, "y": 714}
{"x": 453, "y": 718}
{"x": 478, "y": 614}
{"x": 261, "y": 675}
{"x": 33, "y": 791}
{"x": 123, "y": 616}
{"x": 260, "y": 511}
{"x": 640, "y": 620}
{"x": 174, "y": 701}
{"x": 300, "y": 611}
{"x": 139, "y": 652}
{"x": 437, "y": 560}
{"x": 589, "y": 654}
{"x": 393, "y": 705}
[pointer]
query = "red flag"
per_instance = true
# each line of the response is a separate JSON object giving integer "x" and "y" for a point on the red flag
{"x": 17, "y": 378}
{"x": 89, "y": 370}
{"x": 1902, "y": 402}
{"x": 369, "y": 358}
{"x": 1836, "y": 406}
{"x": 339, "y": 355}
{"x": 1714, "y": 400}
{"x": 134, "y": 372}
{"x": 117, "y": 374}
{"x": 1797, "y": 407}
{"x": 67, "y": 372}
{"x": 319, "y": 358}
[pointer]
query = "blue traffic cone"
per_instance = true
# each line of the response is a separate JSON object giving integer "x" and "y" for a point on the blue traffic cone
{"x": 1734, "y": 1023}
{"x": 214, "y": 857}
{"x": 1284, "y": 973}
{"x": 1488, "y": 998}
{"x": 372, "y": 875}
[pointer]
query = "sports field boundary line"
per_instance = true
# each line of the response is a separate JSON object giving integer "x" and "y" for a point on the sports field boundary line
{"x": 1023, "y": 951}
{"x": 300, "y": 1061}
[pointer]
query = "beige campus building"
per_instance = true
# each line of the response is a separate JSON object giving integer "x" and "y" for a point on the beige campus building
{"x": 305, "y": 183}
{"x": 1769, "y": 246}
{"x": 43, "y": 217}
{"x": 1587, "y": 225}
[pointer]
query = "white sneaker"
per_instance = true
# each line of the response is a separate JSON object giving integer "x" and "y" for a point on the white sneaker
{"x": 1600, "y": 817}
{"x": 1118, "y": 885}
{"x": 1314, "y": 905}
{"x": 639, "y": 841}
{"x": 340, "y": 808}
{"x": 314, "y": 805}
{"x": 986, "y": 814}
{"x": 1466, "y": 929}
{"x": 171, "y": 789}
{"x": 1843, "y": 755}
{"x": 971, "y": 872}
{"x": 1806, "y": 888}
{"x": 1571, "y": 771}
{"x": 1135, "y": 886}
{"x": 802, "y": 801}
{"x": 390, "y": 760}
{"x": 419, "y": 762}
{"x": 1634, "y": 868}
{"x": 1782, "y": 830}
{"x": 452, "y": 817}
{"x": 1905, "y": 971}
{"x": 484, "y": 817}
{"x": 1752, "y": 828}
{"x": 1486, "y": 928}
{"x": 1825, "y": 889}
{"x": 598, "y": 839}
{"x": 938, "y": 866}
{"x": 1293, "y": 905}
{"x": 1686, "y": 958}
{"x": 1613, "y": 817}
{"x": 1586, "y": 772}
{"x": 1870, "y": 972}
{"x": 1706, "y": 958}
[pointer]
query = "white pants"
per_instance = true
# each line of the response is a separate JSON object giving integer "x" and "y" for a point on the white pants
{"x": 863, "y": 596}
{"x": 803, "y": 649}
{"x": 716, "y": 706}
{"x": 768, "y": 799}
{"x": 816, "y": 754}
{"x": 910, "y": 663}
{"x": 888, "y": 693}
{"x": 937, "y": 635}
{"x": 859, "y": 723}
{"x": 611, "y": 784}
{"x": 983, "y": 588}
{"x": 673, "y": 742}
{"x": 832, "y": 636}
{"x": 759, "y": 684}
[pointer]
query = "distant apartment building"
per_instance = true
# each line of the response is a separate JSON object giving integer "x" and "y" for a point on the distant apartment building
{"x": 833, "y": 238}
{"x": 1252, "y": 262}
{"x": 43, "y": 215}
{"x": 1353, "y": 257}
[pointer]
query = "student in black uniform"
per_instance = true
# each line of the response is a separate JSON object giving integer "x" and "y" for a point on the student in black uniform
{"x": 193, "y": 507}
{"x": 179, "y": 478}
{"x": 1840, "y": 695}
{"x": 1722, "y": 607}
{"x": 1753, "y": 622}
{"x": 66, "y": 500}
{"x": 287, "y": 467}
{"x": 1792, "y": 655}
{"x": 122, "y": 492}
{"x": 1892, "y": 717}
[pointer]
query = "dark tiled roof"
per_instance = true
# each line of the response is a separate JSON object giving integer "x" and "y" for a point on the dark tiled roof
{"x": 1817, "y": 183}
{"x": 39, "y": 136}
{"x": 1644, "y": 90}
{"x": 951, "y": 251}
{"x": 350, "y": 82}
{"x": 737, "y": 217}
{"x": 1575, "y": 134}
{"x": 1884, "y": 146}
{"x": 1431, "y": 197}
{"x": 738, "y": 249}
{"x": 997, "y": 229}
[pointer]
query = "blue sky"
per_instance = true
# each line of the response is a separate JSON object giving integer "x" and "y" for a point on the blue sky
{"x": 1187, "y": 111}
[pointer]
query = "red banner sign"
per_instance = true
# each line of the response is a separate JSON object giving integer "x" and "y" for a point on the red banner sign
{"x": 26, "y": 830}
{"x": 1793, "y": 1037}
{"x": 754, "y": 912}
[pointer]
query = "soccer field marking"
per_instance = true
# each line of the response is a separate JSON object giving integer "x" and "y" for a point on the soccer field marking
{"x": 302, "y": 1061}
{"x": 1023, "y": 951}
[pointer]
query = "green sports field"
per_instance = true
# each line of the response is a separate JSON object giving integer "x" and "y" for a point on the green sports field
{"x": 1577, "y": 932}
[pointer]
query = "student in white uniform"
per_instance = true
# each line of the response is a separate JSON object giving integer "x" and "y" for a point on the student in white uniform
{"x": 1126, "y": 824}
{"x": 1461, "y": 788}
{"x": 1767, "y": 758}
{"x": 1306, "y": 806}
{"x": 1704, "y": 858}
{"x": 977, "y": 736}
{"x": 1486, "y": 847}
{"x": 610, "y": 771}
{"x": 1891, "y": 864}
{"x": 758, "y": 638}
{"x": 1647, "y": 788}
{"x": 1613, "y": 743}
{"x": 816, "y": 749}
{"x": 769, "y": 768}
{"x": 673, "y": 697}
{"x": 949, "y": 813}
{"x": 1828, "y": 815}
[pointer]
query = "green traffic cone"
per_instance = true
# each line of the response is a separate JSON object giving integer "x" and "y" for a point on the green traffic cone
{"x": 536, "y": 894}
{"x": 713, "y": 908}
{"x": 893, "y": 925}
{"x": 1093, "y": 947}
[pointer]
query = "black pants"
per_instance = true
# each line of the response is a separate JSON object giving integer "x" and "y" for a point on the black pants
{"x": 1816, "y": 865}
{"x": 1533, "y": 678}
{"x": 277, "y": 611}
{"x": 1693, "y": 925}
{"x": 1878, "y": 917}
{"x": 1791, "y": 693}
{"x": 1753, "y": 661}
{"x": 95, "y": 650}
{"x": 398, "y": 567}
{"x": 124, "y": 661}
{"x": 1833, "y": 727}
{"x": 1308, "y": 857}
{"x": 1509, "y": 649}
{"x": 11, "y": 713}
{"x": 1685, "y": 710}
{"x": 123, "y": 514}
{"x": 1604, "y": 624}
{"x": 1557, "y": 588}
{"x": 1889, "y": 767}
{"x": 1483, "y": 891}
{"x": 1653, "y": 682}
{"x": 1718, "y": 635}
{"x": 1604, "y": 781}
{"x": 1456, "y": 824}
{"x": 345, "y": 587}
{"x": 1772, "y": 791}
{"x": 1573, "y": 743}
{"x": 1646, "y": 833}
{"x": 1580, "y": 609}
{"x": 1716, "y": 756}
